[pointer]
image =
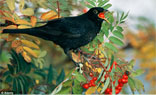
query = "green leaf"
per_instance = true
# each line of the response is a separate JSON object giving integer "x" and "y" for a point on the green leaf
{"x": 79, "y": 77}
{"x": 101, "y": 3}
{"x": 11, "y": 4}
{"x": 61, "y": 77}
{"x": 14, "y": 88}
{"x": 91, "y": 2}
{"x": 112, "y": 60}
{"x": 11, "y": 69}
{"x": 139, "y": 85}
{"x": 118, "y": 34}
{"x": 89, "y": 6}
{"x": 105, "y": 85}
{"x": 131, "y": 83}
{"x": 138, "y": 72}
{"x": 8, "y": 78}
{"x": 110, "y": 46}
{"x": 77, "y": 89}
{"x": 65, "y": 90}
{"x": 119, "y": 28}
{"x": 42, "y": 54}
{"x": 67, "y": 83}
{"x": 50, "y": 74}
{"x": 100, "y": 38}
{"x": 107, "y": 6}
{"x": 116, "y": 41}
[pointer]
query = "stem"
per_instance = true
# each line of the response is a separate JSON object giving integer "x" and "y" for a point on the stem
{"x": 58, "y": 7}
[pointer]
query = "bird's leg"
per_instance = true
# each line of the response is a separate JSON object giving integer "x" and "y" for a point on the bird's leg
{"x": 67, "y": 52}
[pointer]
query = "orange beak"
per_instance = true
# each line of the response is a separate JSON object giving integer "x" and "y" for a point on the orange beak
{"x": 102, "y": 16}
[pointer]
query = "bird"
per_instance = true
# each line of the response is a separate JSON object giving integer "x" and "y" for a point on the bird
{"x": 70, "y": 33}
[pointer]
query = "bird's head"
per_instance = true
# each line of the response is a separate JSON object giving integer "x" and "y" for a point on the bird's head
{"x": 97, "y": 13}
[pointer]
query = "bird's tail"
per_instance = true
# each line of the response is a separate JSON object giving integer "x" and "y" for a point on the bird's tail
{"x": 29, "y": 31}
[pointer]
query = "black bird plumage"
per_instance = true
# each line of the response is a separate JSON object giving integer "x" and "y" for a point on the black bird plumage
{"x": 68, "y": 32}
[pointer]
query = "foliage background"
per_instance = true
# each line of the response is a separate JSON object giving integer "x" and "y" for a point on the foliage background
{"x": 140, "y": 46}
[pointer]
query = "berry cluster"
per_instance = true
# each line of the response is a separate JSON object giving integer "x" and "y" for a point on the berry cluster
{"x": 121, "y": 82}
{"x": 91, "y": 82}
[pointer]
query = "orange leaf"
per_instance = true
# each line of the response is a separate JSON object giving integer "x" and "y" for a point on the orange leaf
{"x": 30, "y": 51}
{"x": 54, "y": 17}
{"x": 12, "y": 37}
{"x": 15, "y": 43}
{"x": 20, "y": 21}
{"x": 19, "y": 49}
{"x": 47, "y": 15}
{"x": 9, "y": 19}
{"x": 26, "y": 57}
{"x": 33, "y": 21}
{"x": 10, "y": 27}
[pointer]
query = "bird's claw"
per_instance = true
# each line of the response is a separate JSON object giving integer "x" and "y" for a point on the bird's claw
{"x": 79, "y": 67}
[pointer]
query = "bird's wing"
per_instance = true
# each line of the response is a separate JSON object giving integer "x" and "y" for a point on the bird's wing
{"x": 66, "y": 27}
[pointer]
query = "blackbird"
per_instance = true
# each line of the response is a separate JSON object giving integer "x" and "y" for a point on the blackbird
{"x": 69, "y": 32}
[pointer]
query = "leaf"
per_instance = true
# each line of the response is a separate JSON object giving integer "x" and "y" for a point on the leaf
{"x": 21, "y": 4}
{"x": 91, "y": 90}
{"x": 26, "y": 57}
{"x": 15, "y": 43}
{"x": 61, "y": 77}
{"x": 50, "y": 74}
{"x": 118, "y": 34}
{"x": 66, "y": 90}
{"x": 107, "y": 6}
{"x": 119, "y": 28}
{"x": 102, "y": 3}
{"x": 48, "y": 15}
{"x": 11, "y": 4}
{"x": 30, "y": 44}
{"x": 9, "y": 19}
{"x": 139, "y": 85}
{"x": 116, "y": 41}
{"x": 105, "y": 85}
{"x": 8, "y": 79}
{"x": 91, "y": 2}
{"x": 43, "y": 54}
{"x": 20, "y": 21}
{"x": 23, "y": 27}
{"x": 33, "y": 21}
{"x": 11, "y": 69}
{"x": 79, "y": 77}
{"x": 30, "y": 51}
{"x": 110, "y": 46}
{"x": 77, "y": 89}
{"x": 28, "y": 12}
{"x": 67, "y": 83}
{"x": 138, "y": 72}
{"x": 19, "y": 49}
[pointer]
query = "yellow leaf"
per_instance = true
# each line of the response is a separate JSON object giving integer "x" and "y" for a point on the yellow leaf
{"x": 26, "y": 57}
{"x": 30, "y": 51}
{"x": 20, "y": 21}
{"x": 91, "y": 90}
{"x": 19, "y": 49}
{"x": 15, "y": 43}
{"x": 23, "y": 26}
{"x": 48, "y": 15}
{"x": 76, "y": 58}
{"x": 30, "y": 44}
{"x": 33, "y": 21}
{"x": 28, "y": 12}
{"x": 21, "y": 5}
{"x": 11, "y": 4}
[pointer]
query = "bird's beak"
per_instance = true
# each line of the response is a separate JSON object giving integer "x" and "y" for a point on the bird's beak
{"x": 102, "y": 16}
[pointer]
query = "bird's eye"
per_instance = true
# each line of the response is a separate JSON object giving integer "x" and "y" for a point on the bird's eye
{"x": 95, "y": 11}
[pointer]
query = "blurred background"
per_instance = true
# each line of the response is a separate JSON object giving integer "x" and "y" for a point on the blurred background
{"x": 140, "y": 31}
{"x": 140, "y": 40}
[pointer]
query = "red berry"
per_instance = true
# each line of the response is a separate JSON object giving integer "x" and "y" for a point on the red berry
{"x": 113, "y": 82}
{"x": 106, "y": 76}
{"x": 124, "y": 80}
{"x": 120, "y": 84}
{"x": 110, "y": 93}
{"x": 84, "y": 10}
{"x": 94, "y": 78}
{"x": 101, "y": 15}
{"x": 125, "y": 77}
{"x": 117, "y": 91}
{"x": 91, "y": 74}
{"x": 118, "y": 87}
{"x": 92, "y": 81}
{"x": 107, "y": 90}
{"x": 119, "y": 81}
{"x": 93, "y": 84}
{"x": 89, "y": 84}
{"x": 86, "y": 86}
{"x": 115, "y": 63}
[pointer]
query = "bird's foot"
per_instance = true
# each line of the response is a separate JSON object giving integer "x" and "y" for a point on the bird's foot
{"x": 79, "y": 67}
